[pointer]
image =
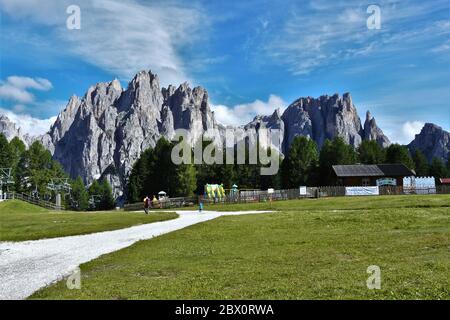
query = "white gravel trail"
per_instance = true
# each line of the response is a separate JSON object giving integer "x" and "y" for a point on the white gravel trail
{"x": 27, "y": 266}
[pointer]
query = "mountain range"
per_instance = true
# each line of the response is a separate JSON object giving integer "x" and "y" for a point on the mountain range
{"x": 104, "y": 132}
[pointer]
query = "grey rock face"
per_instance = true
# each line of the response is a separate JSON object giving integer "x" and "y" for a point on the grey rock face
{"x": 105, "y": 132}
{"x": 323, "y": 118}
{"x": 297, "y": 122}
{"x": 433, "y": 141}
{"x": 373, "y": 132}
{"x": 61, "y": 125}
{"x": 9, "y": 128}
{"x": 83, "y": 134}
{"x": 270, "y": 123}
{"x": 190, "y": 110}
{"x": 327, "y": 117}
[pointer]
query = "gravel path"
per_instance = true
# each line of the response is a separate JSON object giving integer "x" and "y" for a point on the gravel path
{"x": 28, "y": 266}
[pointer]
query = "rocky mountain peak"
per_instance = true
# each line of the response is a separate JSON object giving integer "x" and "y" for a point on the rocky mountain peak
{"x": 347, "y": 100}
{"x": 143, "y": 92}
{"x": 103, "y": 133}
{"x": 144, "y": 76}
{"x": 431, "y": 128}
{"x": 169, "y": 91}
{"x": 371, "y": 131}
{"x": 433, "y": 141}
{"x": 64, "y": 120}
{"x": 323, "y": 118}
{"x": 9, "y": 128}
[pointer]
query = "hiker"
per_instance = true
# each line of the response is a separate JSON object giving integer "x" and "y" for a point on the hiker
{"x": 154, "y": 201}
{"x": 200, "y": 207}
{"x": 146, "y": 204}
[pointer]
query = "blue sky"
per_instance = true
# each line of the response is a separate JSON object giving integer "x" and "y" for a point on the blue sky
{"x": 251, "y": 56}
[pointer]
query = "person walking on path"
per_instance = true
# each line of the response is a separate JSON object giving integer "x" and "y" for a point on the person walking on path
{"x": 146, "y": 204}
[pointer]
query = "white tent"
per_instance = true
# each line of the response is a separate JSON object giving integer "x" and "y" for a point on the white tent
{"x": 162, "y": 195}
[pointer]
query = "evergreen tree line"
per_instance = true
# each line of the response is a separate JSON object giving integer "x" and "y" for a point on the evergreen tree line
{"x": 33, "y": 169}
{"x": 154, "y": 171}
{"x": 303, "y": 164}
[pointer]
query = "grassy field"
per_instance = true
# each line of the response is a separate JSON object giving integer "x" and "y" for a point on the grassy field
{"x": 310, "y": 249}
{"x": 22, "y": 221}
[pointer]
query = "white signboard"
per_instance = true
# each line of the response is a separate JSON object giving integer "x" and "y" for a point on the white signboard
{"x": 362, "y": 191}
{"x": 386, "y": 182}
{"x": 303, "y": 190}
{"x": 270, "y": 191}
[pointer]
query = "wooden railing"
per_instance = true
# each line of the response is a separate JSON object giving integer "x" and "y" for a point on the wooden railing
{"x": 38, "y": 202}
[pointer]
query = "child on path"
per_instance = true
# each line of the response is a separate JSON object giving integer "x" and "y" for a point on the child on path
{"x": 146, "y": 204}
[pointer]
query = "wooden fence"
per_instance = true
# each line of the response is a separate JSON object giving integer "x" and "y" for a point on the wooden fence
{"x": 248, "y": 196}
{"x": 27, "y": 198}
{"x": 164, "y": 204}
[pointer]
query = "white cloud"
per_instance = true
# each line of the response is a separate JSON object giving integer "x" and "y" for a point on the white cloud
{"x": 408, "y": 131}
{"x": 29, "y": 124}
{"x": 327, "y": 33}
{"x": 243, "y": 113}
{"x": 10, "y": 92}
{"x": 15, "y": 88}
{"x": 19, "y": 108}
{"x": 32, "y": 83}
{"x": 122, "y": 37}
{"x": 442, "y": 48}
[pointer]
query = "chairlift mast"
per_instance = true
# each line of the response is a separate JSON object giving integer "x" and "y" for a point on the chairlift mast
{"x": 94, "y": 199}
{"x": 57, "y": 185}
{"x": 6, "y": 178}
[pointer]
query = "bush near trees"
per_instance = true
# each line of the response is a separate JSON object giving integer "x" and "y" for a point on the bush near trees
{"x": 438, "y": 169}
{"x": 154, "y": 171}
{"x": 80, "y": 195}
{"x": 448, "y": 167}
{"x": 36, "y": 169}
{"x": 370, "y": 152}
{"x": 107, "y": 199}
{"x": 396, "y": 153}
{"x": 420, "y": 164}
{"x": 5, "y": 152}
{"x": 299, "y": 167}
{"x": 100, "y": 195}
{"x": 334, "y": 152}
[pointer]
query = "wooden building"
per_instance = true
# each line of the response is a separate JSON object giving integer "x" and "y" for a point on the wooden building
{"x": 371, "y": 174}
